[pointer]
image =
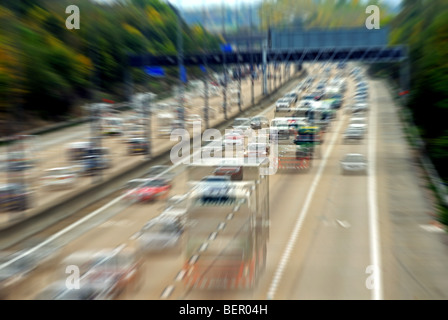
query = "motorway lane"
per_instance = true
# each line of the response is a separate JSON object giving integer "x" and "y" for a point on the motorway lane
{"x": 329, "y": 256}
{"x": 332, "y": 249}
{"x": 414, "y": 249}
{"x": 332, "y": 254}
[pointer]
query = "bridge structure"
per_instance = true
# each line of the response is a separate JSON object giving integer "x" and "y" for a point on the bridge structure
{"x": 294, "y": 46}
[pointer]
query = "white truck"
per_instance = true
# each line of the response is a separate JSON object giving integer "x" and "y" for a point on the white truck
{"x": 228, "y": 227}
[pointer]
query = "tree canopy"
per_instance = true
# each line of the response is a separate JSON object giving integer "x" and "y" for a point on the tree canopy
{"x": 47, "y": 69}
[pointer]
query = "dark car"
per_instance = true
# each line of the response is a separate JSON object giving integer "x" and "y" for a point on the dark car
{"x": 91, "y": 165}
{"x": 336, "y": 102}
{"x": 18, "y": 162}
{"x": 215, "y": 188}
{"x": 138, "y": 146}
{"x": 235, "y": 173}
{"x": 217, "y": 179}
{"x": 76, "y": 151}
{"x": 259, "y": 122}
{"x": 14, "y": 197}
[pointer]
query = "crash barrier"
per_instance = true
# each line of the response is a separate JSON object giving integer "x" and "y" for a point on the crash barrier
{"x": 59, "y": 125}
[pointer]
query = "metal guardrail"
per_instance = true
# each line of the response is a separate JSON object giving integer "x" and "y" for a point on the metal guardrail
{"x": 58, "y": 126}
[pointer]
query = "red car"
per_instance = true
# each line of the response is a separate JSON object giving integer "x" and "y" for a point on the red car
{"x": 151, "y": 189}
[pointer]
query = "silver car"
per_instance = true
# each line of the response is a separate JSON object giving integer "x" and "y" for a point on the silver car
{"x": 160, "y": 234}
{"x": 354, "y": 163}
{"x": 353, "y": 134}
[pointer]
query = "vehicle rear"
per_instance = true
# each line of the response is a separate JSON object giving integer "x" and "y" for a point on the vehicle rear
{"x": 280, "y": 127}
{"x": 137, "y": 146}
{"x": 14, "y": 197}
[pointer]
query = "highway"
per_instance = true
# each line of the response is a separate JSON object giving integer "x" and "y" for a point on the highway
{"x": 332, "y": 236}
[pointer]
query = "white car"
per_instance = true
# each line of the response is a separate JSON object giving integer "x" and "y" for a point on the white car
{"x": 353, "y": 134}
{"x": 358, "y": 122}
{"x": 59, "y": 178}
{"x": 354, "y": 163}
{"x": 283, "y": 104}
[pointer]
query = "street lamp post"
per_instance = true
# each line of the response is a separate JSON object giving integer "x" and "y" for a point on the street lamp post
{"x": 95, "y": 140}
{"x": 147, "y": 115}
{"x": 252, "y": 75}
{"x": 180, "y": 60}
{"x": 205, "y": 79}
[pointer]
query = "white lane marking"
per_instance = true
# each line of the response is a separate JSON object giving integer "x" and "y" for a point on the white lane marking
{"x": 221, "y": 225}
{"x": 193, "y": 259}
{"x": 213, "y": 235}
{"x": 343, "y": 223}
{"x": 431, "y": 228}
{"x": 297, "y": 227}
{"x": 167, "y": 292}
{"x": 203, "y": 247}
{"x": 180, "y": 275}
{"x": 374, "y": 234}
{"x": 135, "y": 235}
